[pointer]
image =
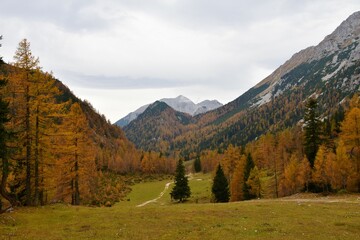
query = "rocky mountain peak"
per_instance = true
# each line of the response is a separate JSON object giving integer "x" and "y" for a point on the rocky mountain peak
{"x": 180, "y": 104}
{"x": 342, "y": 46}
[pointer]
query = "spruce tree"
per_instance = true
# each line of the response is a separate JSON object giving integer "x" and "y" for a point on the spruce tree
{"x": 249, "y": 165}
{"x": 220, "y": 187}
{"x": 312, "y": 128}
{"x": 197, "y": 164}
{"x": 181, "y": 190}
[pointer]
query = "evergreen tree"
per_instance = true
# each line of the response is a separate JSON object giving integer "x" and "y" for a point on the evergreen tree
{"x": 220, "y": 187}
{"x": 197, "y": 164}
{"x": 312, "y": 130}
{"x": 181, "y": 190}
{"x": 249, "y": 165}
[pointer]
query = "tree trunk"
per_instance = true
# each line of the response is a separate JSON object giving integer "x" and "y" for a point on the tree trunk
{"x": 37, "y": 193}
{"x": 3, "y": 192}
{"x": 28, "y": 149}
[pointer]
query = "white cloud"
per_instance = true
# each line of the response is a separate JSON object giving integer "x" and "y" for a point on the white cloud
{"x": 142, "y": 49}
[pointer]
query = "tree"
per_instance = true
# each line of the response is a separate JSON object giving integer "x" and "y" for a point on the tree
{"x": 237, "y": 181}
{"x": 181, "y": 190}
{"x": 4, "y": 151}
{"x": 320, "y": 174}
{"x": 350, "y": 134}
{"x": 254, "y": 182}
{"x": 340, "y": 168}
{"x": 220, "y": 187}
{"x": 312, "y": 128}
{"x": 197, "y": 164}
{"x": 249, "y": 165}
{"x": 26, "y": 64}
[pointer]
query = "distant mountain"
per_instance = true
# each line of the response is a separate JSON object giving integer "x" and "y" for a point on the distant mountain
{"x": 158, "y": 121}
{"x": 329, "y": 72}
{"x": 180, "y": 104}
{"x": 131, "y": 116}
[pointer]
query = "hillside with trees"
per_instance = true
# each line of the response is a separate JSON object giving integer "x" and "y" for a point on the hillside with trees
{"x": 56, "y": 147}
{"x": 329, "y": 72}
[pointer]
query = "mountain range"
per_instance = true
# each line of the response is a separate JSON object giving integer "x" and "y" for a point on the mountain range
{"x": 329, "y": 71}
{"x": 180, "y": 104}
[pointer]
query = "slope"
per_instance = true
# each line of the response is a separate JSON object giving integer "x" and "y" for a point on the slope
{"x": 329, "y": 72}
{"x": 157, "y": 127}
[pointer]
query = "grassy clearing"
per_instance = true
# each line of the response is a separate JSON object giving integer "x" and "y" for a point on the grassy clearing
{"x": 260, "y": 219}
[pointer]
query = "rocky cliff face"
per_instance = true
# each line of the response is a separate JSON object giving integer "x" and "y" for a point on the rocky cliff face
{"x": 329, "y": 72}
{"x": 338, "y": 51}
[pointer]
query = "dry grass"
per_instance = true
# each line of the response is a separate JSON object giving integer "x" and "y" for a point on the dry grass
{"x": 297, "y": 217}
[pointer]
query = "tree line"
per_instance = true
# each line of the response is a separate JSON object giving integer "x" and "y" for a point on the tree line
{"x": 55, "y": 147}
{"x": 316, "y": 155}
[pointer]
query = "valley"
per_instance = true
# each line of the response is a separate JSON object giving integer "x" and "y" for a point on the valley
{"x": 280, "y": 161}
{"x": 287, "y": 218}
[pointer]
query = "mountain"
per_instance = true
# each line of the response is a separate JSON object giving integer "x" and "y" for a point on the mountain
{"x": 329, "y": 72}
{"x": 131, "y": 116}
{"x": 180, "y": 104}
{"x": 206, "y": 106}
{"x": 156, "y": 126}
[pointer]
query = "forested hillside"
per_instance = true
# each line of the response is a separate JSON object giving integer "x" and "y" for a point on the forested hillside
{"x": 56, "y": 147}
{"x": 329, "y": 72}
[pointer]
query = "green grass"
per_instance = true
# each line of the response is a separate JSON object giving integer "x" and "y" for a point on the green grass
{"x": 260, "y": 219}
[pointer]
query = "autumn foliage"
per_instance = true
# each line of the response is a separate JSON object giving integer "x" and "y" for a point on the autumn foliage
{"x": 60, "y": 148}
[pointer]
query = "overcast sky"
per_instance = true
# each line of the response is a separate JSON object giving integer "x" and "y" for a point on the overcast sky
{"x": 122, "y": 54}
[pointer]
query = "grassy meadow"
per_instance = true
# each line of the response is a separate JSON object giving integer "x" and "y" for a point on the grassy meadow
{"x": 288, "y": 218}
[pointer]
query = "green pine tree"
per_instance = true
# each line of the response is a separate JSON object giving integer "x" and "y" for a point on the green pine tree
{"x": 197, "y": 164}
{"x": 249, "y": 165}
{"x": 312, "y": 128}
{"x": 220, "y": 187}
{"x": 181, "y": 190}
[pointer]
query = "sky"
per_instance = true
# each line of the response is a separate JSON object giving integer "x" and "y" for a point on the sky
{"x": 122, "y": 54}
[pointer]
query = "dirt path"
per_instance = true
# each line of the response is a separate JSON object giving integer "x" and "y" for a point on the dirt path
{"x": 190, "y": 177}
{"x": 155, "y": 199}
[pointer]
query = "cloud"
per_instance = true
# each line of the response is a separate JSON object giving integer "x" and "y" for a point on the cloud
{"x": 218, "y": 46}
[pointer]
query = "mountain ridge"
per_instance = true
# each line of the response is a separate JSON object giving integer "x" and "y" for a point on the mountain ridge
{"x": 180, "y": 104}
{"x": 329, "y": 71}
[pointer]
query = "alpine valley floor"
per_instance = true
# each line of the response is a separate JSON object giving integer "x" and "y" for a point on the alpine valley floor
{"x": 302, "y": 216}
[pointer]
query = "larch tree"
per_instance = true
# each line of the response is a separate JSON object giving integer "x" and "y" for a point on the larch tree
{"x": 254, "y": 182}
{"x": 82, "y": 157}
{"x": 341, "y": 168}
{"x": 220, "y": 187}
{"x": 4, "y": 148}
{"x": 350, "y": 135}
{"x": 76, "y": 168}
{"x": 304, "y": 174}
{"x": 320, "y": 174}
{"x": 45, "y": 110}
{"x": 181, "y": 190}
{"x": 312, "y": 128}
{"x": 237, "y": 181}
{"x": 26, "y": 64}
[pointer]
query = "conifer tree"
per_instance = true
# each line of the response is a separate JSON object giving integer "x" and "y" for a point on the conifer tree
{"x": 197, "y": 164}
{"x": 4, "y": 153}
{"x": 220, "y": 187}
{"x": 181, "y": 190}
{"x": 351, "y": 136}
{"x": 26, "y": 64}
{"x": 312, "y": 130}
{"x": 249, "y": 165}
